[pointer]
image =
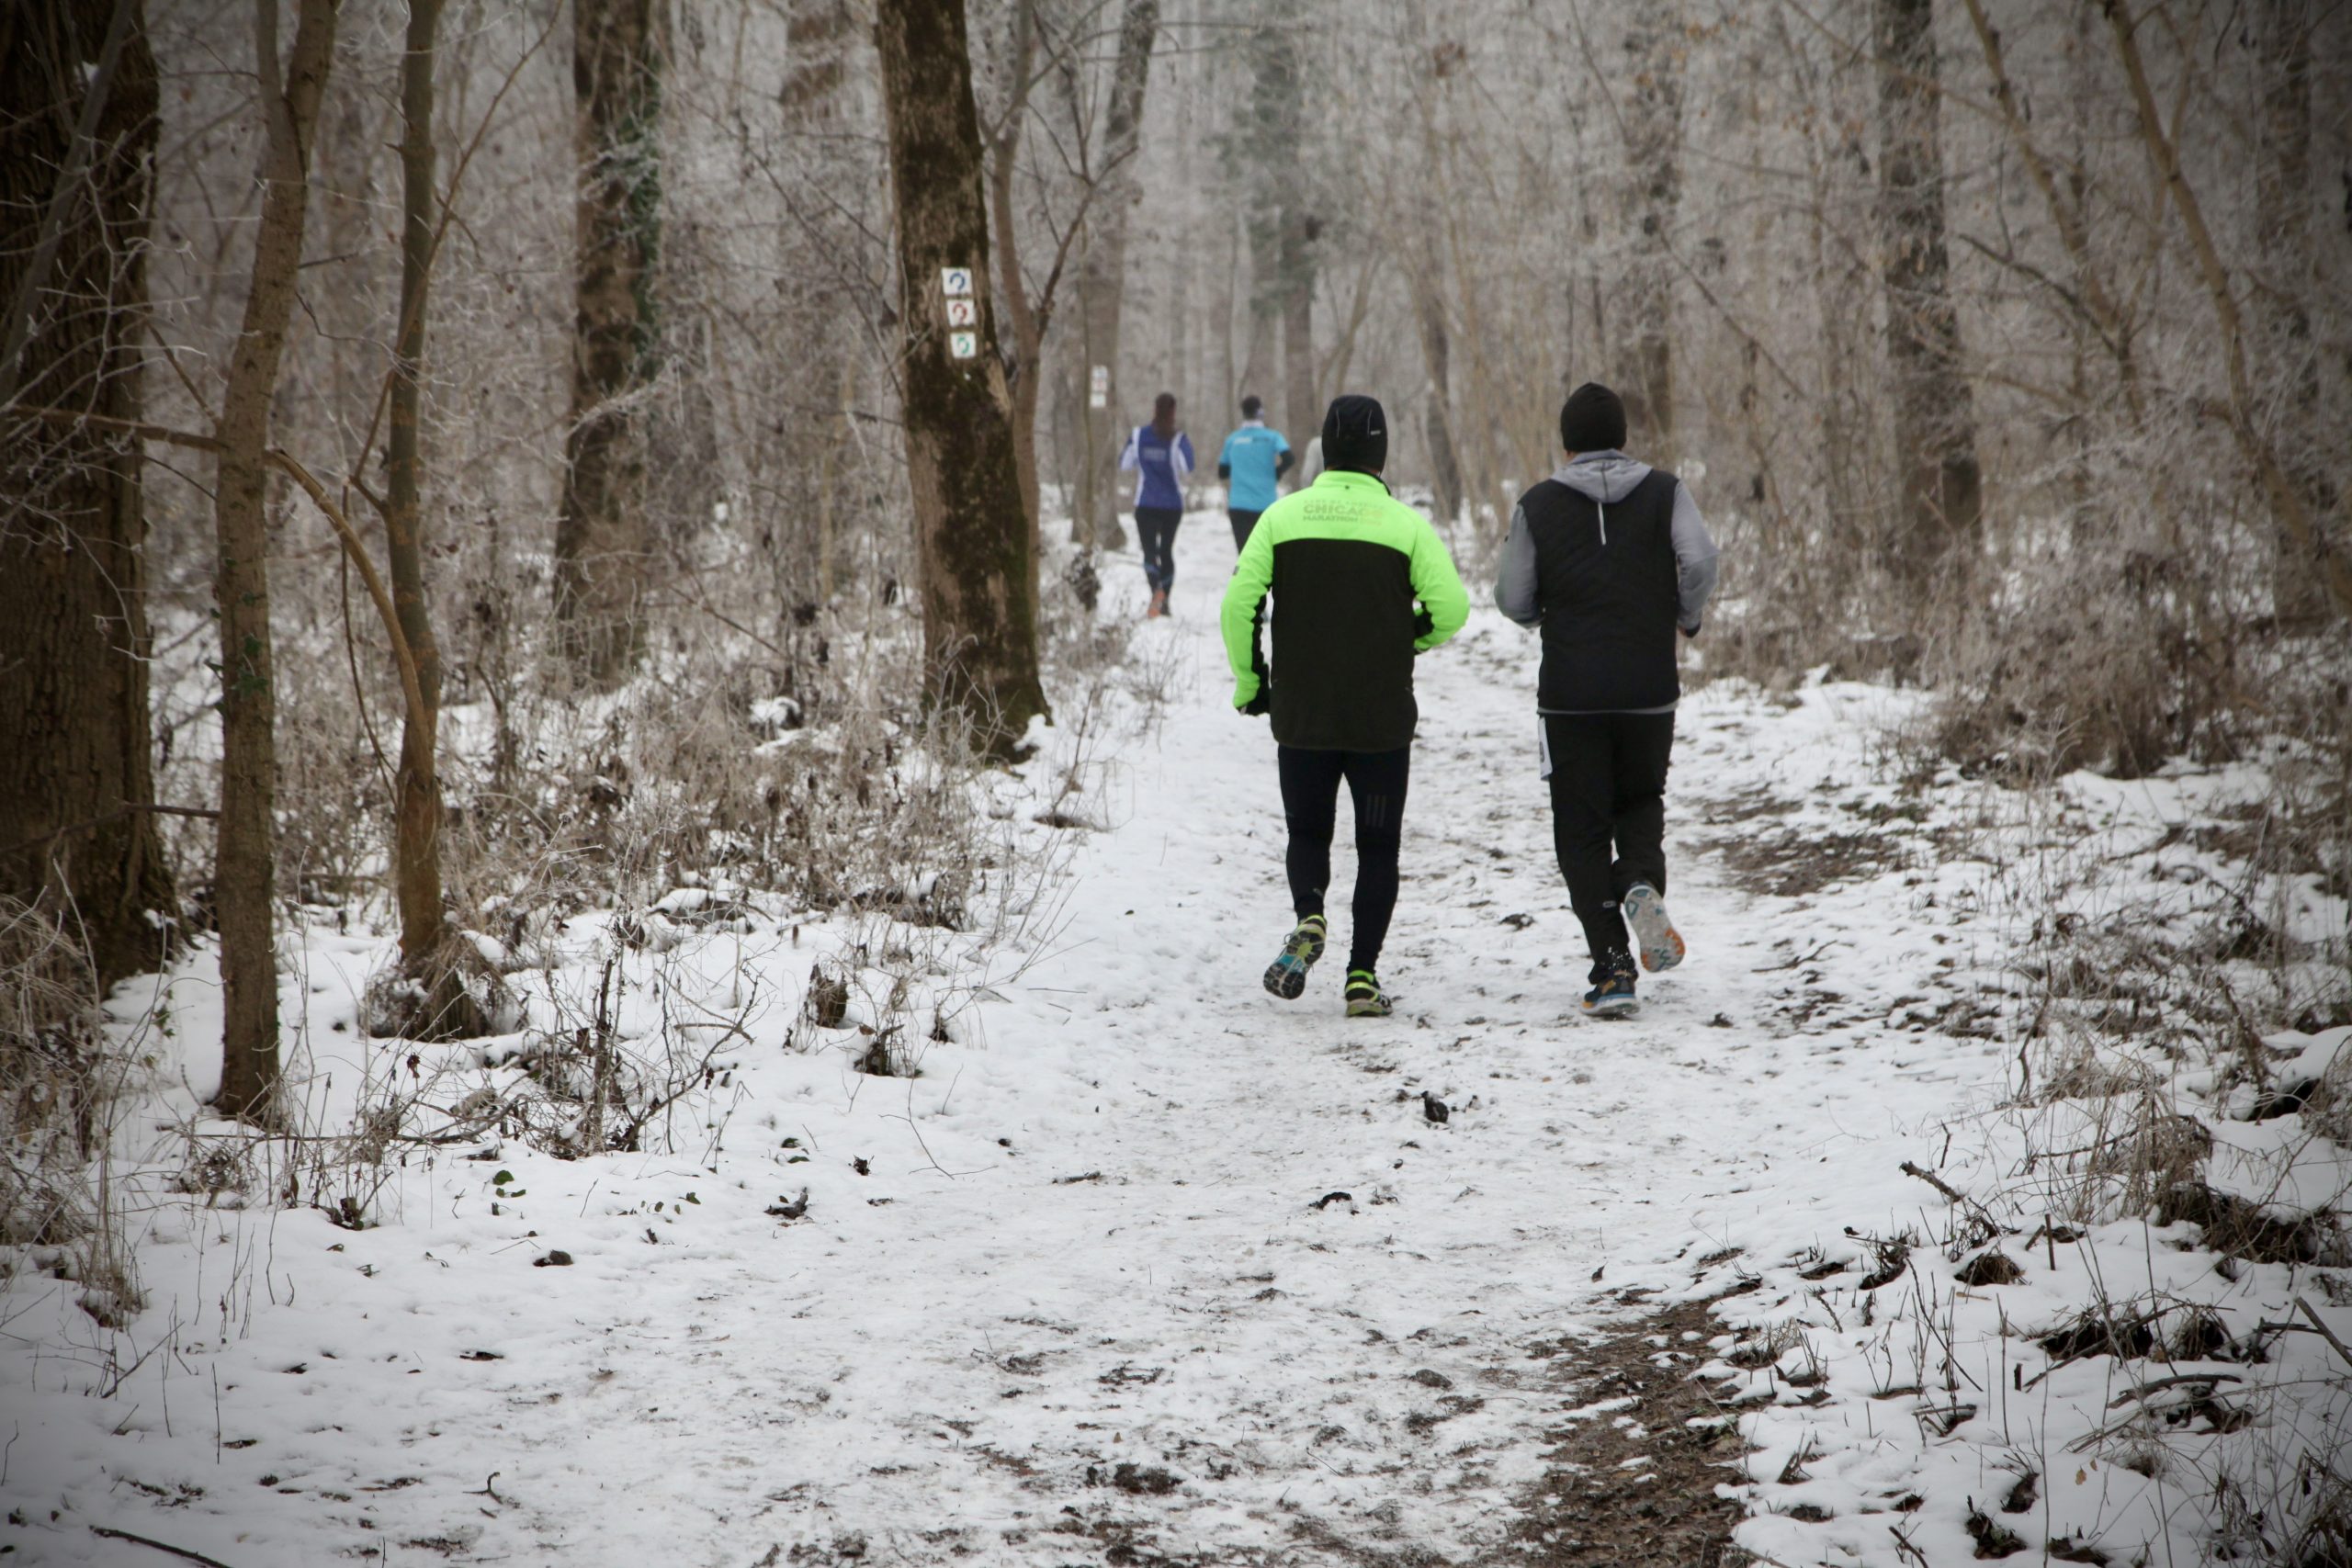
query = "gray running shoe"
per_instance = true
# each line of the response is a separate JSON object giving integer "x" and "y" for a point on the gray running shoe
{"x": 1661, "y": 944}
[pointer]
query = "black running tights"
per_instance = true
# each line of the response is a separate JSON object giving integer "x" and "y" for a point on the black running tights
{"x": 1310, "y": 805}
{"x": 1156, "y": 527}
{"x": 1608, "y": 775}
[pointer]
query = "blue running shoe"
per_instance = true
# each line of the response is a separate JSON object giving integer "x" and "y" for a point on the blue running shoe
{"x": 1286, "y": 975}
{"x": 1613, "y": 988}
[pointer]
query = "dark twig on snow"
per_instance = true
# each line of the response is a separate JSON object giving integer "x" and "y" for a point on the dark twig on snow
{"x": 1937, "y": 1182}
{"x": 160, "y": 1546}
{"x": 2322, "y": 1329}
{"x": 1960, "y": 1200}
{"x": 2145, "y": 1388}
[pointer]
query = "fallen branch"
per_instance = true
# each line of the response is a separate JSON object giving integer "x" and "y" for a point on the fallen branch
{"x": 2322, "y": 1329}
{"x": 2145, "y": 1388}
{"x": 1937, "y": 1182}
{"x": 126, "y": 810}
{"x": 160, "y": 1546}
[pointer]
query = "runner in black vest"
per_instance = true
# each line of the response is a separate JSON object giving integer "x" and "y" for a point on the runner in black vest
{"x": 1609, "y": 557}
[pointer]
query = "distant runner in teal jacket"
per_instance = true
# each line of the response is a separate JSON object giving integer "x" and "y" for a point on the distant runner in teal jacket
{"x": 1254, "y": 458}
{"x": 1362, "y": 586}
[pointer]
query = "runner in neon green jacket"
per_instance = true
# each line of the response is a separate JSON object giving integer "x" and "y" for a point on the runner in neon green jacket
{"x": 1363, "y": 585}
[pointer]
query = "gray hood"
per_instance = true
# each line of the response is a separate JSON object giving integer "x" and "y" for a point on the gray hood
{"x": 1606, "y": 477}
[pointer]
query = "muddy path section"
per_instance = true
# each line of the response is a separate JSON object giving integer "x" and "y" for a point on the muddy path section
{"x": 1635, "y": 1460}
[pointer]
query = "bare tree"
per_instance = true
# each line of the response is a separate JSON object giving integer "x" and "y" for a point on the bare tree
{"x": 1940, "y": 485}
{"x": 1103, "y": 279}
{"x": 979, "y": 611}
{"x": 821, "y": 38}
{"x": 1653, "y": 133}
{"x": 76, "y": 180}
{"x": 416, "y": 860}
{"x": 604, "y": 548}
{"x": 1437, "y": 416}
{"x": 2282, "y": 202}
{"x": 244, "y": 876}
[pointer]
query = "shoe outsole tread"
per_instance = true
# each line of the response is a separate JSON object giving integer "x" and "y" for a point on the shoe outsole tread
{"x": 1662, "y": 946}
{"x": 1286, "y": 975}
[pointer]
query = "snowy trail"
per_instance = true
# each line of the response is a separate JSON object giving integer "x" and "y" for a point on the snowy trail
{"x": 1129, "y": 1267}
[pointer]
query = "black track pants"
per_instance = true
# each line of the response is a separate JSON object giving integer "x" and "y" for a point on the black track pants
{"x": 1242, "y": 523}
{"x": 1156, "y": 525}
{"x": 1608, "y": 776}
{"x": 1377, "y": 781}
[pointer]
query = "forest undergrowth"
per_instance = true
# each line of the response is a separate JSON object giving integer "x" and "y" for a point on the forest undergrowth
{"x": 787, "y": 789}
{"x": 2101, "y": 1323}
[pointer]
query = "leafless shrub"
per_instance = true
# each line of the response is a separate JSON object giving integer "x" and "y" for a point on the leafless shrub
{"x": 2094, "y": 668}
{"x": 63, "y": 1080}
{"x": 588, "y": 1087}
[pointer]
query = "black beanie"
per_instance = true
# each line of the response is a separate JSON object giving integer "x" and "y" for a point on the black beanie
{"x": 1592, "y": 419}
{"x": 1355, "y": 434}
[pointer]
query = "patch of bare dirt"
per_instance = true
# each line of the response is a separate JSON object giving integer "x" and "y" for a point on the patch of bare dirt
{"x": 1793, "y": 864}
{"x": 1593, "y": 1509}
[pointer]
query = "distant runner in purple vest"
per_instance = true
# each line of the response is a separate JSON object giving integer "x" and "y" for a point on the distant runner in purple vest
{"x": 1609, "y": 560}
{"x": 1161, "y": 457}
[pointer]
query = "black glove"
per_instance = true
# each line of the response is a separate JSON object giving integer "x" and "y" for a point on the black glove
{"x": 1264, "y": 703}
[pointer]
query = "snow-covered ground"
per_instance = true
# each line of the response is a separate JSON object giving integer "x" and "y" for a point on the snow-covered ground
{"x": 1143, "y": 1265}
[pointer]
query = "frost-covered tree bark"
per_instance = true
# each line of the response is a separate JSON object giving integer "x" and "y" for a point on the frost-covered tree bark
{"x": 1437, "y": 420}
{"x": 1283, "y": 232}
{"x": 244, "y": 878}
{"x": 1653, "y": 132}
{"x": 825, "y": 62}
{"x": 2282, "y": 221}
{"x": 1295, "y": 259}
{"x": 1938, "y": 483}
{"x": 1102, "y": 280}
{"x": 979, "y": 611}
{"x": 75, "y": 829}
{"x": 604, "y": 545}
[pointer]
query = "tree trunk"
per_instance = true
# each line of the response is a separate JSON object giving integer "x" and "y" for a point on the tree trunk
{"x": 1437, "y": 419}
{"x": 821, "y": 69}
{"x": 604, "y": 547}
{"x": 1102, "y": 280}
{"x": 1263, "y": 329}
{"x": 244, "y": 892}
{"x": 2282, "y": 202}
{"x": 1027, "y": 370}
{"x": 74, "y": 636}
{"x": 980, "y": 617}
{"x": 417, "y": 811}
{"x": 1653, "y": 125}
{"x": 1935, "y": 422}
{"x": 1298, "y": 232}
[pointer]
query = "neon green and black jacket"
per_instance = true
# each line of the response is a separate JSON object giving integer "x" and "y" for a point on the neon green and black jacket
{"x": 1346, "y": 561}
